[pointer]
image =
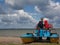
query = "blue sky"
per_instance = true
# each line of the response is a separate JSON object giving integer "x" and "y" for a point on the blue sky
{"x": 56, "y": 0}
{"x": 1, "y": 1}
{"x": 26, "y": 13}
{"x": 31, "y": 9}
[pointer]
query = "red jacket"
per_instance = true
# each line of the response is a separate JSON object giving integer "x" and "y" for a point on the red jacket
{"x": 47, "y": 25}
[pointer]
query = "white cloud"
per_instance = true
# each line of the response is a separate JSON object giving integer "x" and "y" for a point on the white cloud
{"x": 37, "y": 9}
{"x": 49, "y": 8}
{"x": 52, "y": 11}
{"x": 53, "y": 4}
{"x": 21, "y": 19}
{"x": 10, "y": 2}
{"x": 18, "y": 4}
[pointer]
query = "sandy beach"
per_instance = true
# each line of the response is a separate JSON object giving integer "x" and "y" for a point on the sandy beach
{"x": 14, "y": 40}
{"x": 18, "y": 41}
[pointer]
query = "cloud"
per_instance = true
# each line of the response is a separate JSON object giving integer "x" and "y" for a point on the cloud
{"x": 2, "y": 11}
{"x": 49, "y": 8}
{"x": 19, "y": 4}
{"x": 11, "y": 5}
{"x": 20, "y": 19}
{"x": 54, "y": 12}
{"x": 16, "y": 4}
{"x": 51, "y": 11}
{"x": 37, "y": 9}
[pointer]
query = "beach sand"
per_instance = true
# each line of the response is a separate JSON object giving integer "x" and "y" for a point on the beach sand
{"x": 14, "y": 40}
{"x": 18, "y": 41}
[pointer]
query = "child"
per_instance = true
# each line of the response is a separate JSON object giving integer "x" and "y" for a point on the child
{"x": 47, "y": 25}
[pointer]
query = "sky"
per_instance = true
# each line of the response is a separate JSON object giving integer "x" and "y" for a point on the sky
{"x": 27, "y": 13}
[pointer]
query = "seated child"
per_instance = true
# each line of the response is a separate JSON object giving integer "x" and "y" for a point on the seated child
{"x": 47, "y": 25}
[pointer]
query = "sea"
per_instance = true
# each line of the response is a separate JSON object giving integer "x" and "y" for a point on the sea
{"x": 18, "y": 32}
{"x": 14, "y": 33}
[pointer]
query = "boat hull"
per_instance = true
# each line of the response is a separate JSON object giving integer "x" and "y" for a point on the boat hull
{"x": 27, "y": 39}
{"x": 54, "y": 40}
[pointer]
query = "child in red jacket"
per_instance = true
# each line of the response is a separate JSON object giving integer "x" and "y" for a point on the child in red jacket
{"x": 47, "y": 25}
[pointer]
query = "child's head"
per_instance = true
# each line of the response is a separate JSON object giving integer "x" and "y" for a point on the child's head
{"x": 42, "y": 19}
{"x": 46, "y": 22}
